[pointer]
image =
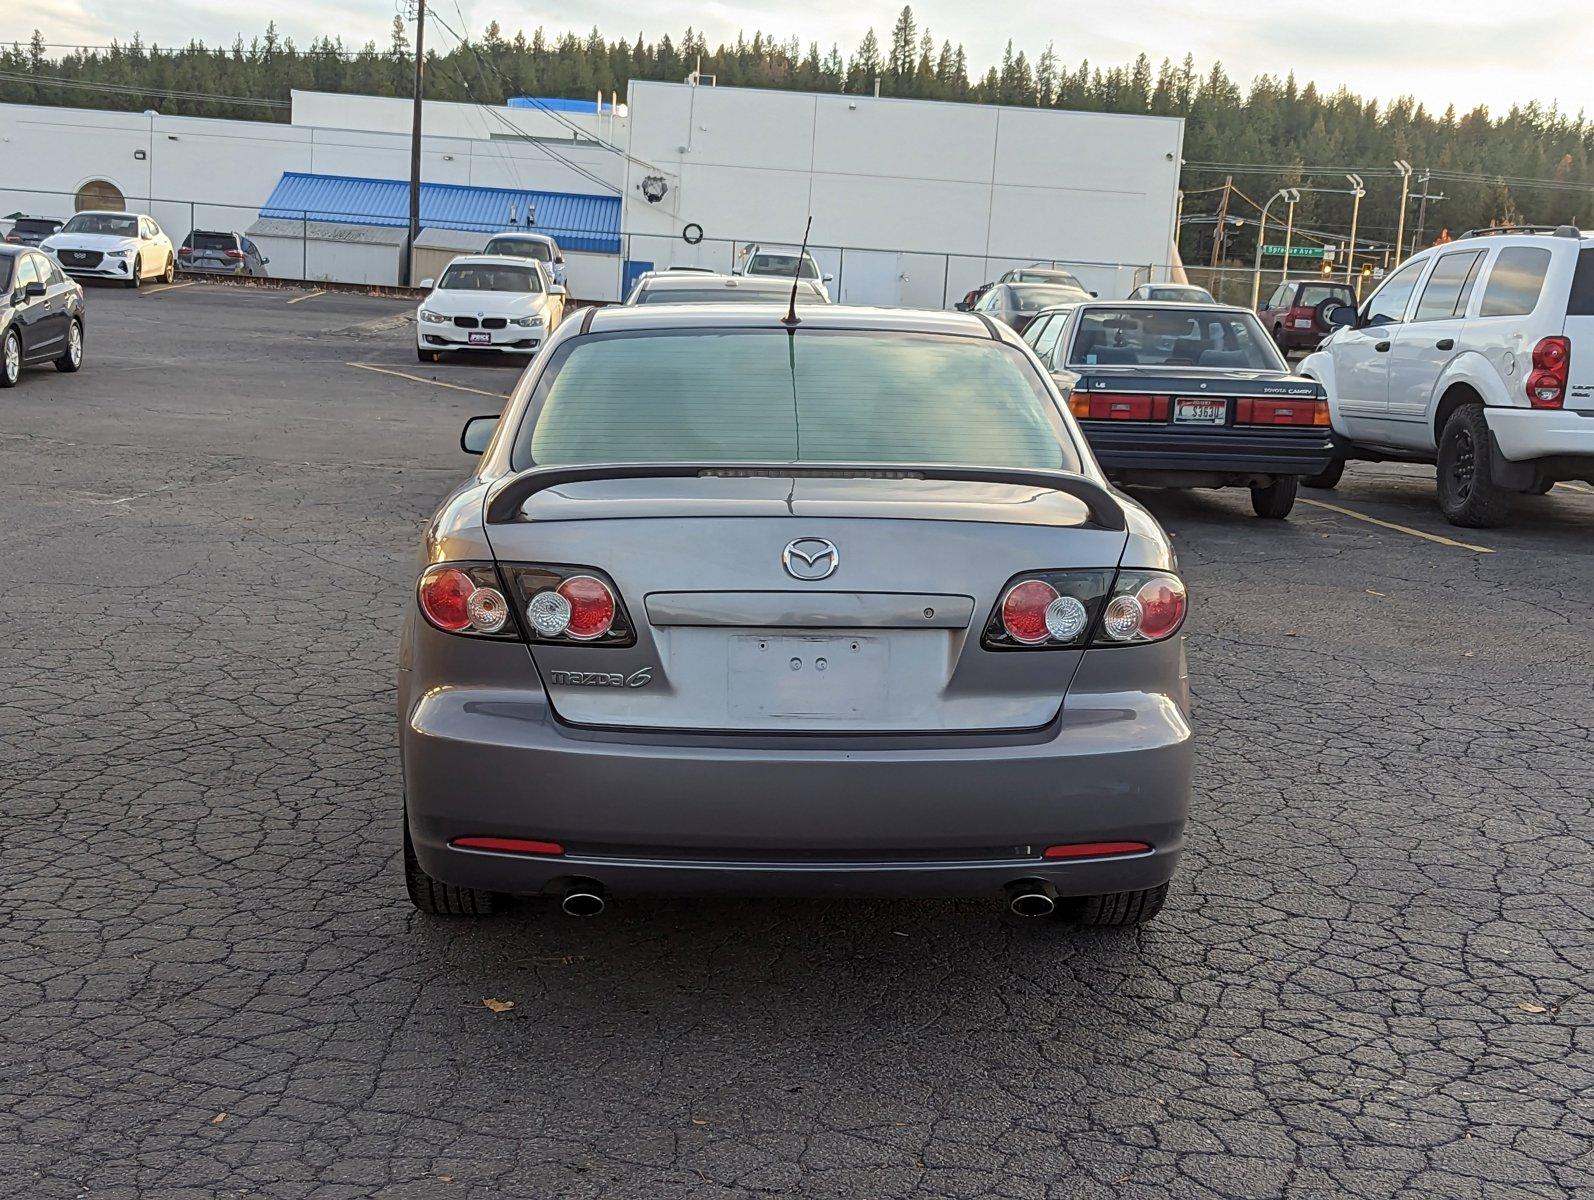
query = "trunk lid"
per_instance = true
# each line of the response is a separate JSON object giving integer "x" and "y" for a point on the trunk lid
{"x": 729, "y": 640}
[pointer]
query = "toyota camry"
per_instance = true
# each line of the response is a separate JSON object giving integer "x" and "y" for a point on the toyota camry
{"x": 832, "y": 601}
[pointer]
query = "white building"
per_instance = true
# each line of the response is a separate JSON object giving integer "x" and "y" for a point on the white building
{"x": 913, "y": 202}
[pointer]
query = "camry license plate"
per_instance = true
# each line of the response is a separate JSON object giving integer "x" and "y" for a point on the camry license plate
{"x": 1200, "y": 412}
{"x": 479, "y": 338}
{"x": 802, "y": 676}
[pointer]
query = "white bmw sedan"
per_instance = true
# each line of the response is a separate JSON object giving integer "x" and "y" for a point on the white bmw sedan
{"x": 128, "y": 247}
{"x": 488, "y": 302}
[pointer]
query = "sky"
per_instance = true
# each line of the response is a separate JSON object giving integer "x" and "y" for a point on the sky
{"x": 1461, "y": 52}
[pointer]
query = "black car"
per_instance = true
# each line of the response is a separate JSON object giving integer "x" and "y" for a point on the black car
{"x": 41, "y": 314}
{"x": 1016, "y": 303}
{"x": 213, "y": 253}
{"x": 30, "y": 231}
{"x": 1192, "y": 396}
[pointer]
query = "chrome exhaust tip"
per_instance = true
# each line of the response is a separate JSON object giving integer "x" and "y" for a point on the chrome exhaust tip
{"x": 584, "y": 899}
{"x": 1031, "y": 898}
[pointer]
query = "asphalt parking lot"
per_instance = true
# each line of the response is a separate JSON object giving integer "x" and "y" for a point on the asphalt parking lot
{"x": 1371, "y": 980}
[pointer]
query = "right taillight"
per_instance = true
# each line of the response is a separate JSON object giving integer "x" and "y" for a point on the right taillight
{"x": 1068, "y": 610}
{"x": 1552, "y": 362}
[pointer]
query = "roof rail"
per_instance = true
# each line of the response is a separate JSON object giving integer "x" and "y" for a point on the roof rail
{"x": 1567, "y": 231}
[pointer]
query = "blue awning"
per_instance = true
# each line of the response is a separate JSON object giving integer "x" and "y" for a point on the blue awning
{"x": 577, "y": 221}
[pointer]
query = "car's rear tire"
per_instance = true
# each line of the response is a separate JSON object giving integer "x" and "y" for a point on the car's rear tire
{"x": 1274, "y": 500}
{"x": 10, "y": 359}
{"x": 1116, "y": 908}
{"x": 138, "y": 274}
{"x": 1328, "y": 478}
{"x": 444, "y": 899}
{"x": 1468, "y": 494}
{"x": 72, "y": 359}
{"x": 169, "y": 275}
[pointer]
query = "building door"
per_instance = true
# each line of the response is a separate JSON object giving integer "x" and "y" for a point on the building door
{"x": 869, "y": 277}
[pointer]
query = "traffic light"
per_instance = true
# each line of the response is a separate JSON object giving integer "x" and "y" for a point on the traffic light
{"x": 1367, "y": 270}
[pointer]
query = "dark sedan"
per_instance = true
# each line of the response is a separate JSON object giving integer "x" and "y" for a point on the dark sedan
{"x": 41, "y": 314}
{"x": 1188, "y": 396}
{"x": 1016, "y": 304}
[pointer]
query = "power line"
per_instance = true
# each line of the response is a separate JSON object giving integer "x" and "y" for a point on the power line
{"x": 124, "y": 89}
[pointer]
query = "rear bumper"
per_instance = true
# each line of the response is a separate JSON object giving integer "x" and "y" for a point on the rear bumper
{"x": 1276, "y": 450}
{"x": 1528, "y": 433}
{"x": 810, "y": 815}
{"x": 1301, "y": 339}
{"x": 210, "y": 268}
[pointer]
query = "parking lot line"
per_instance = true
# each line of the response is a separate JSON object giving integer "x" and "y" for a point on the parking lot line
{"x": 1581, "y": 489}
{"x": 168, "y": 287}
{"x": 1417, "y": 533}
{"x": 308, "y": 296}
{"x": 458, "y": 387}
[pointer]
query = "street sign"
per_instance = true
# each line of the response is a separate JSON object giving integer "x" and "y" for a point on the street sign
{"x": 1295, "y": 251}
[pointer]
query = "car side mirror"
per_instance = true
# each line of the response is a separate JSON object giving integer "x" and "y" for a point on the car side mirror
{"x": 1094, "y": 295}
{"x": 828, "y": 278}
{"x": 963, "y": 306}
{"x": 1341, "y": 315}
{"x": 560, "y": 259}
{"x": 476, "y": 435}
{"x": 556, "y": 289}
{"x": 264, "y": 261}
{"x": 32, "y": 291}
{"x": 428, "y": 283}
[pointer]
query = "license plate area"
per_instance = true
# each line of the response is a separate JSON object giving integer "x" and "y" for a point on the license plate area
{"x": 785, "y": 675}
{"x": 479, "y": 337}
{"x": 1200, "y": 411}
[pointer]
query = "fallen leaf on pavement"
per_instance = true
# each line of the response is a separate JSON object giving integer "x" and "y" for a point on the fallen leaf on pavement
{"x": 1532, "y": 1008}
{"x": 218, "y": 1118}
{"x": 499, "y": 1006}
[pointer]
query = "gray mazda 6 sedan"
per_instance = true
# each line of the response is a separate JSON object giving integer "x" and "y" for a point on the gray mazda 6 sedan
{"x": 839, "y": 605}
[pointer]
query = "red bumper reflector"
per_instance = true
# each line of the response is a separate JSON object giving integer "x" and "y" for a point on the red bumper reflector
{"x": 1094, "y": 849}
{"x": 508, "y": 845}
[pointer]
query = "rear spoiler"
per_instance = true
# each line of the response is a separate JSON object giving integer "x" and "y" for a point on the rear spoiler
{"x": 505, "y": 500}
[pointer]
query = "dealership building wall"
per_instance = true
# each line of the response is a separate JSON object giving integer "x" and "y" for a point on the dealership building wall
{"x": 913, "y": 202}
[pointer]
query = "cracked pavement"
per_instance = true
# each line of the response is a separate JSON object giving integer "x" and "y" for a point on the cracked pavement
{"x": 1372, "y": 977}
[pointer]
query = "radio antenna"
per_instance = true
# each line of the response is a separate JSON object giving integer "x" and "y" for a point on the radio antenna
{"x": 796, "y": 276}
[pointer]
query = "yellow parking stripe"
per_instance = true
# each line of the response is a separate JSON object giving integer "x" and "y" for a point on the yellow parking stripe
{"x": 308, "y": 296}
{"x": 1407, "y": 529}
{"x": 1576, "y": 487}
{"x": 458, "y": 387}
{"x": 168, "y": 287}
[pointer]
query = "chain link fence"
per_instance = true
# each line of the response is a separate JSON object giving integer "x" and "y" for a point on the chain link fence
{"x": 368, "y": 249}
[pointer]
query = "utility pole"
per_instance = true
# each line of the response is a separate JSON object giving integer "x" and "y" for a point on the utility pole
{"x": 415, "y": 145}
{"x": 1422, "y": 208}
{"x": 1404, "y": 168}
{"x": 1358, "y": 190}
{"x": 1223, "y": 222}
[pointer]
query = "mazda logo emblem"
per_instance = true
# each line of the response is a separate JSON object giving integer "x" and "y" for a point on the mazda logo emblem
{"x": 810, "y": 558}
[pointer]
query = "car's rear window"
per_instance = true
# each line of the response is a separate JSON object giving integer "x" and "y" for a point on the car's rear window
{"x": 1313, "y": 294}
{"x": 213, "y": 241}
{"x": 724, "y": 295}
{"x": 34, "y": 225}
{"x": 521, "y": 247}
{"x": 1031, "y": 297}
{"x": 490, "y": 277}
{"x": 5, "y": 272}
{"x": 768, "y": 396}
{"x": 1581, "y": 303}
{"x": 781, "y": 264}
{"x": 1171, "y": 337}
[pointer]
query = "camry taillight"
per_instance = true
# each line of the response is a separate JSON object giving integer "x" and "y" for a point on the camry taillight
{"x": 1552, "y": 362}
{"x": 570, "y": 604}
{"x": 1068, "y": 610}
{"x": 465, "y": 598}
{"x": 1262, "y": 410}
{"x": 1119, "y": 406}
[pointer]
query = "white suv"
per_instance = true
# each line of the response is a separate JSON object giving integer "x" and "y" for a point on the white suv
{"x": 1464, "y": 358}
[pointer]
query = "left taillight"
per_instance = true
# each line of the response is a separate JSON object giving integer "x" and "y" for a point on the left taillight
{"x": 1069, "y": 610}
{"x": 466, "y": 598}
{"x": 1552, "y": 363}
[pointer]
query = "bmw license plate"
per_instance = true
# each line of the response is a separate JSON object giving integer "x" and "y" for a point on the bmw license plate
{"x": 479, "y": 337}
{"x": 800, "y": 676}
{"x": 1200, "y": 412}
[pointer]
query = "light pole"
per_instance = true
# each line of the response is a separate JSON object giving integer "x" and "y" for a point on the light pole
{"x": 1358, "y": 190}
{"x": 1404, "y": 168}
{"x": 1261, "y": 237}
{"x": 1289, "y": 228}
{"x": 149, "y": 153}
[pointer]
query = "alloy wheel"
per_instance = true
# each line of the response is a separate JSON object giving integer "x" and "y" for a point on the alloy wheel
{"x": 13, "y": 358}
{"x": 74, "y": 344}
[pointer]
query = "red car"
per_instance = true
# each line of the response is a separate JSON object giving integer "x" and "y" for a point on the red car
{"x": 1294, "y": 313}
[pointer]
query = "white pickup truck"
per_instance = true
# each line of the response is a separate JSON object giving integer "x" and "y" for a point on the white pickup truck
{"x": 1465, "y": 357}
